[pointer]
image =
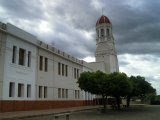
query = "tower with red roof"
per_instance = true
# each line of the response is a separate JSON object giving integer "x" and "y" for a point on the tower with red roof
{"x": 105, "y": 46}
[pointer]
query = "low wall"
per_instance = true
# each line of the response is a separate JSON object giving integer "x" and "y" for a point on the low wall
{"x": 13, "y": 105}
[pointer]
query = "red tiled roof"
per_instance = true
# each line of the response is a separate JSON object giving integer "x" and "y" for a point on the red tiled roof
{"x": 102, "y": 19}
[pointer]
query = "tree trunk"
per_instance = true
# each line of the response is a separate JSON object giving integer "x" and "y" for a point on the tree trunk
{"x": 118, "y": 102}
{"x": 128, "y": 100}
{"x": 104, "y": 103}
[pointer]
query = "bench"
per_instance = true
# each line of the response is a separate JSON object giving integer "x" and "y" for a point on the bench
{"x": 56, "y": 116}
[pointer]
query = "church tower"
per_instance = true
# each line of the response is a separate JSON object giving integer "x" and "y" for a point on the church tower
{"x": 105, "y": 46}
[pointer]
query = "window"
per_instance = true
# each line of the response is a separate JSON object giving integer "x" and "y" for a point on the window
{"x": 66, "y": 70}
{"x": 75, "y": 73}
{"x": 20, "y": 90}
{"x": 59, "y": 92}
{"x": 28, "y": 91}
{"x": 45, "y": 92}
{"x": 40, "y": 91}
{"x": 46, "y": 64}
{"x": 75, "y": 94}
{"x": 21, "y": 56}
{"x": 14, "y": 52}
{"x": 59, "y": 68}
{"x": 63, "y": 69}
{"x": 63, "y": 93}
{"x": 102, "y": 32}
{"x": 11, "y": 89}
{"x": 41, "y": 63}
{"x": 78, "y": 94}
{"x": 29, "y": 59}
{"x": 66, "y": 93}
{"x": 107, "y": 32}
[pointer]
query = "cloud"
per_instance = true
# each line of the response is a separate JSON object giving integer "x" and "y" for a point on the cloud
{"x": 135, "y": 26}
{"x": 143, "y": 65}
{"x": 23, "y": 9}
{"x": 70, "y": 26}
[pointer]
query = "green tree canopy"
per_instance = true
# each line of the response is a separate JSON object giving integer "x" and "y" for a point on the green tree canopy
{"x": 120, "y": 86}
{"x": 95, "y": 83}
{"x": 115, "y": 84}
{"x": 140, "y": 88}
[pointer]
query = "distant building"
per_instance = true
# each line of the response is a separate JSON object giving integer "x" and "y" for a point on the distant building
{"x": 35, "y": 75}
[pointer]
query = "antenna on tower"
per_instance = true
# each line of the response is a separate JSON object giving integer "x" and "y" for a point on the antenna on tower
{"x": 102, "y": 10}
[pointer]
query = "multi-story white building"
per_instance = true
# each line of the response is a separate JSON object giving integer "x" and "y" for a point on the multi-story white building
{"x": 31, "y": 70}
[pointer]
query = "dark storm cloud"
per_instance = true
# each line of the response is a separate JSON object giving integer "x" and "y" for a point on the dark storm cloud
{"x": 23, "y": 9}
{"x": 80, "y": 13}
{"x": 139, "y": 48}
{"x": 136, "y": 25}
{"x": 136, "y": 30}
{"x": 69, "y": 25}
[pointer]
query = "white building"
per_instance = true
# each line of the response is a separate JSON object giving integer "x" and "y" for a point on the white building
{"x": 31, "y": 70}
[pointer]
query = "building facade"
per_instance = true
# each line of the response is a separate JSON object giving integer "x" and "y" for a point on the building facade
{"x": 35, "y": 75}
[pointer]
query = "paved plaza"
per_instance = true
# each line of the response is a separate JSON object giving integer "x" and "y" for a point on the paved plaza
{"x": 140, "y": 112}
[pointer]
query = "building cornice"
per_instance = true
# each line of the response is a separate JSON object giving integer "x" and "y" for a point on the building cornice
{"x": 46, "y": 47}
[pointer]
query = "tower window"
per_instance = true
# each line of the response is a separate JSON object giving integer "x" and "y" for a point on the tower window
{"x": 102, "y": 32}
{"x": 107, "y": 32}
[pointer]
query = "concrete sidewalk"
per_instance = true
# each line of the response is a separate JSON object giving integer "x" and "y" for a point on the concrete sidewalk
{"x": 24, "y": 114}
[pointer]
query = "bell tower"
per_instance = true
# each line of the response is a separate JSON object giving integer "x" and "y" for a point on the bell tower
{"x": 105, "y": 46}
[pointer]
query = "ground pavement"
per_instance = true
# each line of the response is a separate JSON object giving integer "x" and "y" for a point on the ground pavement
{"x": 29, "y": 114}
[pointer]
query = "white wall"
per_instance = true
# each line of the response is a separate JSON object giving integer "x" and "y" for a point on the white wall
{"x": 98, "y": 66}
{"x": 53, "y": 80}
{"x": 13, "y": 72}
{"x": 2, "y": 47}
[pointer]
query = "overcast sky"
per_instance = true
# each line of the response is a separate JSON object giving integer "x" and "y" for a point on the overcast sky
{"x": 70, "y": 26}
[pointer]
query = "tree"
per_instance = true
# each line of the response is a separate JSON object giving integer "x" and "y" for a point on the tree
{"x": 120, "y": 86}
{"x": 95, "y": 83}
{"x": 140, "y": 89}
{"x": 134, "y": 89}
